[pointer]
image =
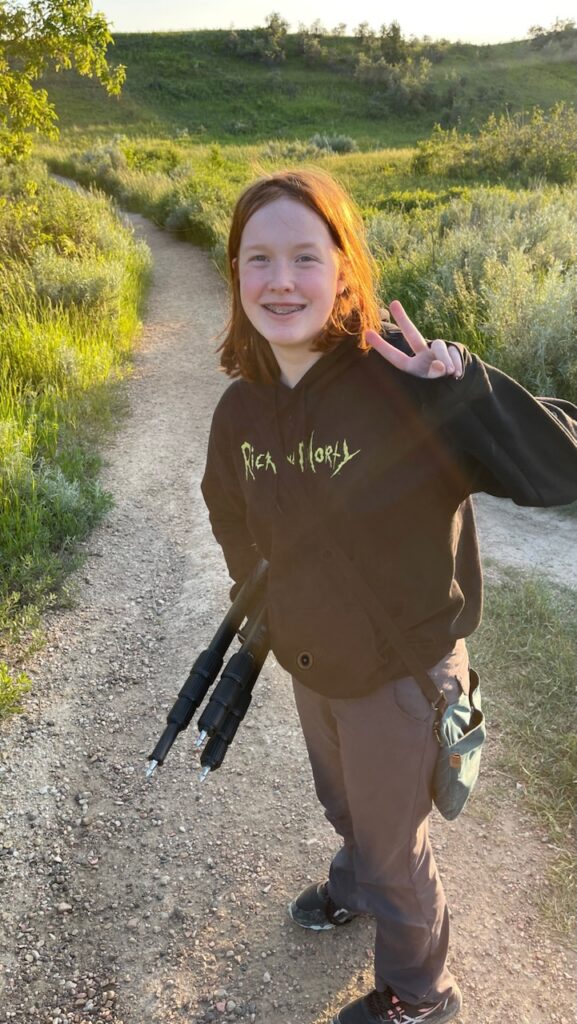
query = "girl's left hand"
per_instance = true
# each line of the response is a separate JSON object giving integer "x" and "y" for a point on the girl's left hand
{"x": 435, "y": 359}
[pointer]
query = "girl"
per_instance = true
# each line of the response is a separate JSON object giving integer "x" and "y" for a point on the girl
{"x": 346, "y": 455}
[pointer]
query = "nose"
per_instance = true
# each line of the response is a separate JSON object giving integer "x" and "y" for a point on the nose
{"x": 281, "y": 279}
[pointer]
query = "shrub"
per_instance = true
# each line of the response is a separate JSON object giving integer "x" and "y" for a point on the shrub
{"x": 494, "y": 269}
{"x": 164, "y": 157}
{"x": 403, "y": 87}
{"x": 334, "y": 143}
{"x": 108, "y": 156}
{"x": 12, "y": 689}
{"x": 266, "y": 44}
{"x": 313, "y": 52}
{"x": 293, "y": 151}
{"x": 539, "y": 145}
{"x": 418, "y": 198}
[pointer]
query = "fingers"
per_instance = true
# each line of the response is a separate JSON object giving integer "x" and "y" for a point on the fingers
{"x": 388, "y": 351}
{"x": 457, "y": 361}
{"x": 413, "y": 336}
{"x": 441, "y": 353}
{"x": 430, "y": 359}
{"x": 438, "y": 359}
{"x": 448, "y": 356}
{"x": 436, "y": 369}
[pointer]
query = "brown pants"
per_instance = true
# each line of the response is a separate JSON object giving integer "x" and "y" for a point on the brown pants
{"x": 372, "y": 759}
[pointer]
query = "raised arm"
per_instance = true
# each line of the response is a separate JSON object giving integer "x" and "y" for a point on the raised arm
{"x": 513, "y": 444}
{"x": 519, "y": 447}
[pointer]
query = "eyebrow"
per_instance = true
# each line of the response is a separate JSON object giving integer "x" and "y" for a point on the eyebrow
{"x": 298, "y": 245}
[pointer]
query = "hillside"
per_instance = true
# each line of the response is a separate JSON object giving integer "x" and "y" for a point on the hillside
{"x": 216, "y": 88}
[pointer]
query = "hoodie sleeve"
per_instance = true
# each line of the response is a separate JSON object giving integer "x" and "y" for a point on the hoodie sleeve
{"x": 514, "y": 445}
{"x": 224, "y": 499}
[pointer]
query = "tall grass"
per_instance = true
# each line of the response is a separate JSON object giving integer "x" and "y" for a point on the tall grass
{"x": 525, "y": 650}
{"x": 71, "y": 282}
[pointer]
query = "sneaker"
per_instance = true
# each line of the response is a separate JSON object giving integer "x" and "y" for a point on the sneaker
{"x": 315, "y": 909}
{"x": 386, "y": 1008}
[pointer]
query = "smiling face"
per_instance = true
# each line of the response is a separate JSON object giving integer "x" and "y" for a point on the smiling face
{"x": 289, "y": 276}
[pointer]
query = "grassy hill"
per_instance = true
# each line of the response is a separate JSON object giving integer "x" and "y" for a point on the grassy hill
{"x": 194, "y": 82}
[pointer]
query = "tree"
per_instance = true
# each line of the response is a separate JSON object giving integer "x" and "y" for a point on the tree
{"x": 276, "y": 26}
{"x": 364, "y": 31}
{"x": 38, "y": 36}
{"x": 317, "y": 28}
{"x": 393, "y": 46}
{"x": 563, "y": 31}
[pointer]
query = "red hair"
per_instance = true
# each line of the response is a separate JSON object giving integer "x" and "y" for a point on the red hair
{"x": 244, "y": 351}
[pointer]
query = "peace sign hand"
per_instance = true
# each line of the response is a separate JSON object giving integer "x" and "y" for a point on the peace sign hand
{"x": 435, "y": 359}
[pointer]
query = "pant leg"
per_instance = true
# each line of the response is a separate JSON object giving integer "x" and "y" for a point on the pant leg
{"x": 321, "y": 737}
{"x": 373, "y": 760}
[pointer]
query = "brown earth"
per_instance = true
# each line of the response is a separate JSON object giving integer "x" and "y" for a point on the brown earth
{"x": 129, "y": 901}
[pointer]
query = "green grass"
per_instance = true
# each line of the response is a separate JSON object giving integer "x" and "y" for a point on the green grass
{"x": 72, "y": 280}
{"x": 190, "y": 81}
{"x": 525, "y": 652}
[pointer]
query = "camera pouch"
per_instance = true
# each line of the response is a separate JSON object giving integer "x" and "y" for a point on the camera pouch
{"x": 461, "y": 732}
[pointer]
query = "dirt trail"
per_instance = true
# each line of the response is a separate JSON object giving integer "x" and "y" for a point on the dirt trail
{"x": 135, "y": 902}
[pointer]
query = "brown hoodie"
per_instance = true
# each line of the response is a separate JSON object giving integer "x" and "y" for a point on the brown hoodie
{"x": 363, "y": 461}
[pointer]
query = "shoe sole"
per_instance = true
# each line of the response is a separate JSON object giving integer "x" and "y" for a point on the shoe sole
{"x": 309, "y": 927}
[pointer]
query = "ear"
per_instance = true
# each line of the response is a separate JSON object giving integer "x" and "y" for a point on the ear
{"x": 235, "y": 264}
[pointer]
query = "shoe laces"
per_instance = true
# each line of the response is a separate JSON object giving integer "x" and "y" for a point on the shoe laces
{"x": 386, "y": 1006}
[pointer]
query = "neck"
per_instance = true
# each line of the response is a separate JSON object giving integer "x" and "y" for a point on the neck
{"x": 292, "y": 370}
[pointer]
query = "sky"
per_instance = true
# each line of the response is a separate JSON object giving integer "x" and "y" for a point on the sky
{"x": 490, "y": 21}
